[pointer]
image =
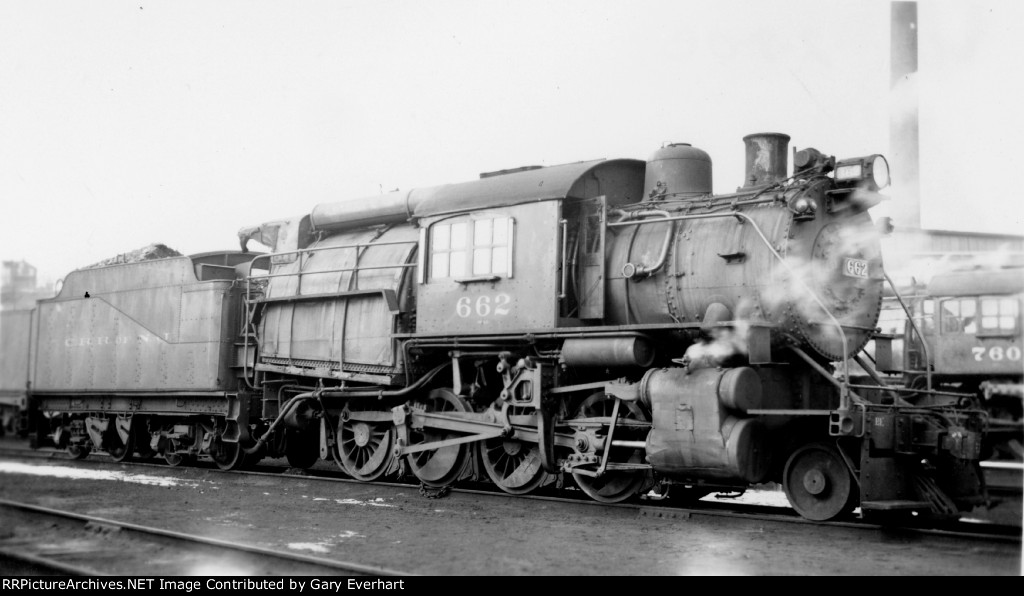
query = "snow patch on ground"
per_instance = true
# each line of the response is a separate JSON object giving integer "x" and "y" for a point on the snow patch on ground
{"x": 86, "y": 474}
{"x": 770, "y": 498}
{"x": 316, "y": 547}
{"x": 378, "y": 502}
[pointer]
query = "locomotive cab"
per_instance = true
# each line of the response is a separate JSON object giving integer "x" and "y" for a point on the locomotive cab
{"x": 519, "y": 252}
{"x": 970, "y": 345}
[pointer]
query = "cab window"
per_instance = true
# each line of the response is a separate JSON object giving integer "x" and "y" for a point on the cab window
{"x": 999, "y": 315}
{"x": 959, "y": 316}
{"x": 475, "y": 247}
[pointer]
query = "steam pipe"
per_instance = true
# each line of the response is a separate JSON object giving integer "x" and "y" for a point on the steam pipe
{"x": 316, "y": 395}
{"x": 382, "y": 393}
{"x": 645, "y": 270}
{"x": 288, "y": 406}
{"x": 624, "y": 215}
{"x": 844, "y": 386}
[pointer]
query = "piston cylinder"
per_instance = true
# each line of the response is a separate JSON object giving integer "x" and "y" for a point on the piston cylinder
{"x": 694, "y": 434}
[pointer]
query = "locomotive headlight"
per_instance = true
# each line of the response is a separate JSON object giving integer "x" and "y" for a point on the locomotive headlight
{"x": 871, "y": 172}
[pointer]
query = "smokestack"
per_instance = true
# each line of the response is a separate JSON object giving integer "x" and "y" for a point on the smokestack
{"x": 767, "y": 158}
{"x": 903, "y": 117}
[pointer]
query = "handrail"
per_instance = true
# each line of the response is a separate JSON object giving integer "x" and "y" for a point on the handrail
{"x": 273, "y": 275}
{"x": 565, "y": 242}
{"x": 844, "y": 393}
{"x": 343, "y": 246}
{"x": 306, "y": 251}
{"x": 924, "y": 342}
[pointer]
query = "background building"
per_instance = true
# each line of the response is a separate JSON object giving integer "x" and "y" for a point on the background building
{"x": 19, "y": 288}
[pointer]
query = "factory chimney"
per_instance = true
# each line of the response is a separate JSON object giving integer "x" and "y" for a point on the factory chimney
{"x": 905, "y": 208}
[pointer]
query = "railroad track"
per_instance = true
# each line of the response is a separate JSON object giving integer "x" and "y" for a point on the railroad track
{"x": 84, "y": 545}
{"x": 646, "y": 507}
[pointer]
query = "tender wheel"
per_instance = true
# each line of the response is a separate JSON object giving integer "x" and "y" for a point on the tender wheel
{"x": 119, "y": 452}
{"x": 302, "y": 448}
{"x": 439, "y": 467}
{"x": 365, "y": 448}
{"x": 612, "y": 487}
{"x": 513, "y": 465}
{"x": 78, "y": 451}
{"x": 144, "y": 449}
{"x": 227, "y": 456}
{"x": 119, "y": 449}
{"x": 176, "y": 459}
{"x": 142, "y": 439}
{"x": 818, "y": 484}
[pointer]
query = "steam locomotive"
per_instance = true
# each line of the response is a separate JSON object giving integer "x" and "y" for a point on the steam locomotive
{"x": 607, "y": 326}
{"x": 966, "y": 324}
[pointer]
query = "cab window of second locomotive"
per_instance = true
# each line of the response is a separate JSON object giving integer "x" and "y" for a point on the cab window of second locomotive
{"x": 958, "y": 316}
{"x": 999, "y": 315}
{"x": 473, "y": 247}
{"x": 924, "y": 315}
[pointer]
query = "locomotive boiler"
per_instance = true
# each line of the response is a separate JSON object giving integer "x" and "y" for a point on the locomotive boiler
{"x": 607, "y": 326}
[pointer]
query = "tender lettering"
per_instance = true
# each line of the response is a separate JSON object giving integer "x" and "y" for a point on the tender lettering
{"x": 106, "y": 340}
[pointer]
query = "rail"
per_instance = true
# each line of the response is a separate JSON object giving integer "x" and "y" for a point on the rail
{"x": 169, "y": 542}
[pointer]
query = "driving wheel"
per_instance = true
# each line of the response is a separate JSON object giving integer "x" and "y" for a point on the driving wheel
{"x": 442, "y": 466}
{"x": 619, "y": 485}
{"x": 365, "y": 447}
{"x": 515, "y": 466}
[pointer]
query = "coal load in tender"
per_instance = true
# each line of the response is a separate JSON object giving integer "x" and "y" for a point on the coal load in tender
{"x": 146, "y": 253}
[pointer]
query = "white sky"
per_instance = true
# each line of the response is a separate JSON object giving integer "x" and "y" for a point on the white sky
{"x": 128, "y": 123}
